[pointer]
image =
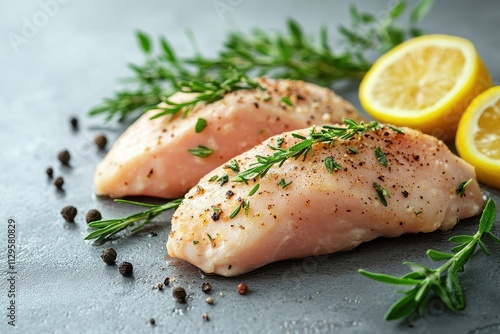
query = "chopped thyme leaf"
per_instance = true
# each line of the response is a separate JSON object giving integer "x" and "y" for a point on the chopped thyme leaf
{"x": 216, "y": 209}
{"x": 246, "y": 206}
{"x": 254, "y": 189}
{"x": 283, "y": 183}
{"x": 417, "y": 212}
{"x": 235, "y": 212}
{"x": 213, "y": 178}
{"x": 195, "y": 242}
{"x": 381, "y": 156}
{"x": 381, "y": 193}
{"x": 286, "y": 101}
{"x": 461, "y": 188}
{"x": 200, "y": 125}
{"x": 331, "y": 165}
{"x": 352, "y": 150}
{"x": 400, "y": 131}
{"x": 210, "y": 237}
{"x": 279, "y": 141}
{"x": 200, "y": 151}
{"x": 233, "y": 165}
{"x": 223, "y": 179}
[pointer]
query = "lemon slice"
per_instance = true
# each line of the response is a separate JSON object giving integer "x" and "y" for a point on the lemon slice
{"x": 478, "y": 136}
{"x": 425, "y": 83}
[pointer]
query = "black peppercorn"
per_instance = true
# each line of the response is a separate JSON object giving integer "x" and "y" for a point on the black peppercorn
{"x": 69, "y": 212}
{"x": 59, "y": 183}
{"x": 206, "y": 287}
{"x": 126, "y": 269}
{"x": 101, "y": 141}
{"x": 64, "y": 157}
{"x": 93, "y": 215}
{"x": 50, "y": 172}
{"x": 166, "y": 281}
{"x": 109, "y": 256}
{"x": 74, "y": 123}
{"x": 152, "y": 321}
{"x": 179, "y": 293}
{"x": 205, "y": 317}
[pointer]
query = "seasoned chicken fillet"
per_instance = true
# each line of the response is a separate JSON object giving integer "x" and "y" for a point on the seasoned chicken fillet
{"x": 151, "y": 157}
{"x": 322, "y": 212}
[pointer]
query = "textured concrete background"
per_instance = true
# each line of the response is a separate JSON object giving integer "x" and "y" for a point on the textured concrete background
{"x": 67, "y": 65}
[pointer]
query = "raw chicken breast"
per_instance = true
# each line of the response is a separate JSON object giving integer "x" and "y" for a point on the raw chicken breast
{"x": 151, "y": 157}
{"x": 321, "y": 212}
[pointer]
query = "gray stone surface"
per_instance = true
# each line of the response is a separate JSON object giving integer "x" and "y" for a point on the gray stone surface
{"x": 67, "y": 66}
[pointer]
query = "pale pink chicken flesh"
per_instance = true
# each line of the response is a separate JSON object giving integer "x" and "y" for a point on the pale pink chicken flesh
{"x": 322, "y": 212}
{"x": 151, "y": 157}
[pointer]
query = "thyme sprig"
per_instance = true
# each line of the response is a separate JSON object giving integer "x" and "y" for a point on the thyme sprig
{"x": 105, "y": 228}
{"x": 327, "y": 134}
{"x": 289, "y": 54}
{"x": 442, "y": 281}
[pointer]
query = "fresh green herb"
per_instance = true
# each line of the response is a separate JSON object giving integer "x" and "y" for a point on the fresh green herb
{"x": 235, "y": 212}
{"x": 246, "y": 206}
{"x": 254, "y": 189}
{"x": 279, "y": 141}
{"x": 200, "y": 151}
{"x": 201, "y": 124}
{"x": 233, "y": 165}
{"x": 352, "y": 150}
{"x": 443, "y": 281}
{"x": 284, "y": 184}
{"x": 104, "y": 229}
{"x": 332, "y": 165}
{"x": 210, "y": 237}
{"x": 213, "y": 178}
{"x": 288, "y": 54}
{"x": 381, "y": 193}
{"x": 216, "y": 209}
{"x": 461, "y": 188}
{"x": 223, "y": 179}
{"x": 398, "y": 130}
{"x": 381, "y": 156}
{"x": 207, "y": 91}
{"x": 286, "y": 101}
{"x": 328, "y": 134}
{"x": 195, "y": 242}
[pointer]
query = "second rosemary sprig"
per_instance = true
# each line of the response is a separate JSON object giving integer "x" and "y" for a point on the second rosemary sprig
{"x": 105, "y": 228}
{"x": 442, "y": 281}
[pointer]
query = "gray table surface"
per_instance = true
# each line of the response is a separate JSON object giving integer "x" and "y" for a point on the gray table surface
{"x": 67, "y": 65}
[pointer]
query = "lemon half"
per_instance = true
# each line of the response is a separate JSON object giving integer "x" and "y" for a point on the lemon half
{"x": 478, "y": 136}
{"x": 425, "y": 83}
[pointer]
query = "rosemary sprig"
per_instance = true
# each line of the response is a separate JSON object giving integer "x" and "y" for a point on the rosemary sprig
{"x": 103, "y": 229}
{"x": 443, "y": 281}
{"x": 290, "y": 54}
{"x": 327, "y": 134}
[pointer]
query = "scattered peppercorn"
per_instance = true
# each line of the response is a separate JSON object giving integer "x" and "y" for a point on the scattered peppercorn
{"x": 242, "y": 288}
{"x": 64, "y": 157}
{"x": 74, "y": 123}
{"x": 179, "y": 293}
{"x": 69, "y": 212}
{"x": 109, "y": 256}
{"x": 59, "y": 183}
{"x": 50, "y": 172}
{"x": 206, "y": 287}
{"x": 101, "y": 141}
{"x": 205, "y": 317}
{"x": 93, "y": 215}
{"x": 159, "y": 285}
{"x": 126, "y": 269}
{"x": 152, "y": 234}
{"x": 209, "y": 300}
{"x": 152, "y": 321}
{"x": 166, "y": 281}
